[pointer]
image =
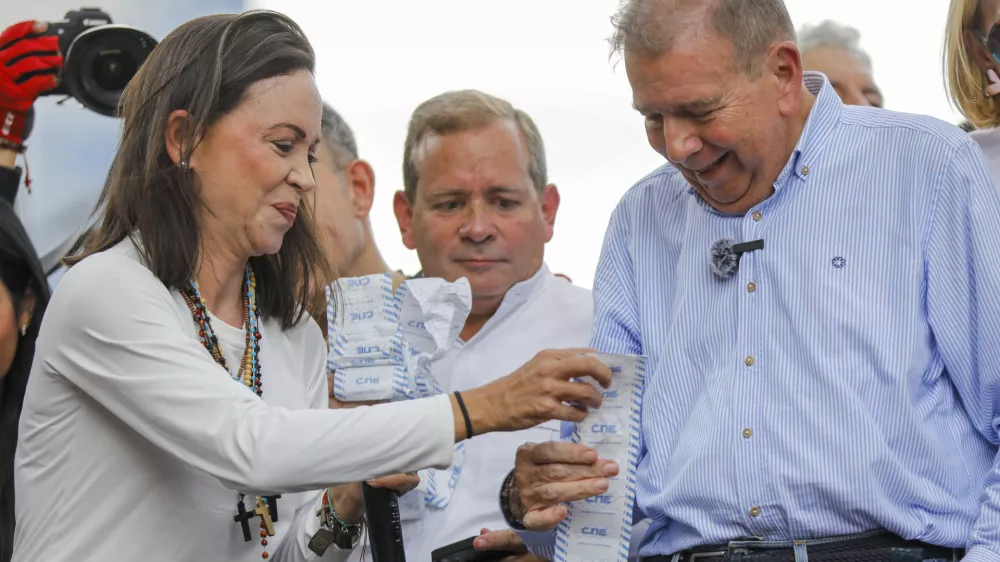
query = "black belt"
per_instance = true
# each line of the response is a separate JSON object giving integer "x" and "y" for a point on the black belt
{"x": 877, "y": 546}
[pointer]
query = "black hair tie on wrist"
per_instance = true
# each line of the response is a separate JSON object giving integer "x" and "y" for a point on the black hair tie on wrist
{"x": 465, "y": 414}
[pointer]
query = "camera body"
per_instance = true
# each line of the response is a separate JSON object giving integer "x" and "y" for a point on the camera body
{"x": 99, "y": 57}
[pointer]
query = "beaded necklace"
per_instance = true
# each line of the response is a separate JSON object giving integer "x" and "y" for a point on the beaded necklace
{"x": 248, "y": 375}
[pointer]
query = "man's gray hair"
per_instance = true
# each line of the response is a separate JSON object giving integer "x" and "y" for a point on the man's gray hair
{"x": 832, "y": 34}
{"x": 338, "y": 134}
{"x": 650, "y": 27}
{"x": 464, "y": 110}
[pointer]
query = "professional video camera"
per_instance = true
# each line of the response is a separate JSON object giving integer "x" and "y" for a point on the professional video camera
{"x": 99, "y": 58}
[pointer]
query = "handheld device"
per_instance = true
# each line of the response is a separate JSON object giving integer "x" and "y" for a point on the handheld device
{"x": 462, "y": 551}
{"x": 385, "y": 531}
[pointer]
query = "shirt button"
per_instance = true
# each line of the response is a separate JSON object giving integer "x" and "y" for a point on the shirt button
{"x": 805, "y": 170}
{"x": 757, "y": 216}
{"x": 747, "y": 433}
{"x": 748, "y": 361}
{"x": 751, "y": 287}
{"x": 754, "y": 511}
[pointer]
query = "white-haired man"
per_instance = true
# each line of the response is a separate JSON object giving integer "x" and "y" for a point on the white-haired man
{"x": 834, "y": 49}
{"x": 837, "y": 396}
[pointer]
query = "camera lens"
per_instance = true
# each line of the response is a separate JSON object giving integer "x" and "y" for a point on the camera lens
{"x": 100, "y": 63}
{"x": 112, "y": 69}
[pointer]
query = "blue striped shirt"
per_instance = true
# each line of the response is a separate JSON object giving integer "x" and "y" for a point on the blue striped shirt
{"x": 847, "y": 377}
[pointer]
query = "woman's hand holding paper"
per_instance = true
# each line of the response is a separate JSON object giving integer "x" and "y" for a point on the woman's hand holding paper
{"x": 540, "y": 391}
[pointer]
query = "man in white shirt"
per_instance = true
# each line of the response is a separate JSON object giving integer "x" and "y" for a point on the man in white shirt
{"x": 345, "y": 191}
{"x": 477, "y": 204}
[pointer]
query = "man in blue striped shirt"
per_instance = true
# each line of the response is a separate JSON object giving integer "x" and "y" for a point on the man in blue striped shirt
{"x": 846, "y": 377}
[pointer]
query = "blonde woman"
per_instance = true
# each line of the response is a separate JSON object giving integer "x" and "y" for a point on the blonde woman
{"x": 972, "y": 64}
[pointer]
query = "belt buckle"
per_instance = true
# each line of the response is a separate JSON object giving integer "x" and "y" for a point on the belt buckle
{"x": 699, "y": 555}
{"x": 695, "y": 556}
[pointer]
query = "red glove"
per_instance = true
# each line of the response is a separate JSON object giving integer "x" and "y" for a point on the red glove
{"x": 29, "y": 65}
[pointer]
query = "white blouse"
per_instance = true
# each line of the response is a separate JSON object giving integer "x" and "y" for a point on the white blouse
{"x": 134, "y": 444}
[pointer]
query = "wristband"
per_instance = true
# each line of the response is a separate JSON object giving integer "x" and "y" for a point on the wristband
{"x": 11, "y": 145}
{"x": 508, "y": 515}
{"x": 334, "y": 530}
{"x": 465, "y": 414}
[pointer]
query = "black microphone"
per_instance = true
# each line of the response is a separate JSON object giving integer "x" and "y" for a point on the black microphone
{"x": 385, "y": 531}
{"x": 724, "y": 256}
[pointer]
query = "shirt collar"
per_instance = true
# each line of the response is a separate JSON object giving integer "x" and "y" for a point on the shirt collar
{"x": 522, "y": 292}
{"x": 823, "y": 118}
{"x": 518, "y": 294}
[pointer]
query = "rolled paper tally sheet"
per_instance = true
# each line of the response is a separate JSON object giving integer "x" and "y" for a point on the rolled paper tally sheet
{"x": 599, "y": 528}
{"x": 363, "y": 305}
{"x": 382, "y": 343}
{"x": 370, "y": 368}
{"x": 359, "y": 311}
{"x": 432, "y": 315}
{"x": 366, "y": 351}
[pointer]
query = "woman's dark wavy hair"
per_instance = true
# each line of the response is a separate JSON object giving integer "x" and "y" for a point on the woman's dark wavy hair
{"x": 20, "y": 271}
{"x": 204, "y": 67}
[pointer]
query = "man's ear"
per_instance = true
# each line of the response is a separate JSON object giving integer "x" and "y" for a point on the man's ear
{"x": 360, "y": 178}
{"x": 178, "y": 135}
{"x": 404, "y": 217}
{"x": 550, "y": 206}
{"x": 784, "y": 65}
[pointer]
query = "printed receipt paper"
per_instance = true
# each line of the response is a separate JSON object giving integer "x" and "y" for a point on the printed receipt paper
{"x": 599, "y": 528}
{"x": 381, "y": 343}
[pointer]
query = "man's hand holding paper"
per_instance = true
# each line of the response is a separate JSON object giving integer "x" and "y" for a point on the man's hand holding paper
{"x": 547, "y": 474}
{"x": 585, "y": 484}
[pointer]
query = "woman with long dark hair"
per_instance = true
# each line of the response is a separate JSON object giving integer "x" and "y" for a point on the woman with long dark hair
{"x": 176, "y": 408}
{"x": 24, "y": 294}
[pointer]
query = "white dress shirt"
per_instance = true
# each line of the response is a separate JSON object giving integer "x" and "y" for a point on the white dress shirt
{"x": 134, "y": 443}
{"x": 544, "y": 312}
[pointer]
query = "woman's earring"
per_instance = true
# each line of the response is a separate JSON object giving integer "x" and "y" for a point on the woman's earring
{"x": 994, "y": 87}
{"x": 24, "y": 330}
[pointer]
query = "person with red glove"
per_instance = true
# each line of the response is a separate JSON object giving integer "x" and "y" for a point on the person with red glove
{"x": 29, "y": 66}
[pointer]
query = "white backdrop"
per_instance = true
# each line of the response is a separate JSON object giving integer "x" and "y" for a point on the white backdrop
{"x": 379, "y": 59}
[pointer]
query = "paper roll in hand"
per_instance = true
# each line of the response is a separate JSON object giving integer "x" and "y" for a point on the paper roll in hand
{"x": 600, "y": 527}
{"x": 381, "y": 342}
{"x": 581, "y": 485}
